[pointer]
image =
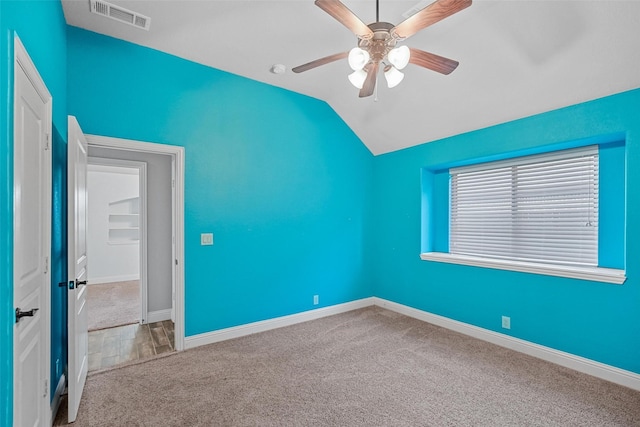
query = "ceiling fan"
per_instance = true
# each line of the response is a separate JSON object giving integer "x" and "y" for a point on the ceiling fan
{"x": 377, "y": 44}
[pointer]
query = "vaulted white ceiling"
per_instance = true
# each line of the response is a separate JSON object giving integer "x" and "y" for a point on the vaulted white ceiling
{"x": 517, "y": 58}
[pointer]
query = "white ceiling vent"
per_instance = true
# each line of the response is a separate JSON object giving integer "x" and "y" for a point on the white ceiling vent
{"x": 416, "y": 8}
{"x": 121, "y": 14}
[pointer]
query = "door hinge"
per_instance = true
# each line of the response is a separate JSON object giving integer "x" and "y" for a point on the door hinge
{"x": 46, "y": 388}
{"x": 173, "y": 183}
{"x": 176, "y": 262}
{"x": 46, "y": 265}
{"x": 47, "y": 141}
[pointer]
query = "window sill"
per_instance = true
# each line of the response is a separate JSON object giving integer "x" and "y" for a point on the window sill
{"x": 606, "y": 275}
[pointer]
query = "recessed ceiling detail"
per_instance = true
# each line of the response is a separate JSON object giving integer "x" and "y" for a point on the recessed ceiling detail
{"x": 121, "y": 14}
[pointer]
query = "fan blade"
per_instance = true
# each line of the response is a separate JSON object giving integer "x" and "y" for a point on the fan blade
{"x": 431, "y": 14}
{"x": 347, "y": 18}
{"x": 432, "y": 61}
{"x": 370, "y": 82}
{"x": 319, "y": 62}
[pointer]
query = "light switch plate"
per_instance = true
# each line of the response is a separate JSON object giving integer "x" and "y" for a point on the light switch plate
{"x": 206, "y": 239}
{"x": 506, "y": 322}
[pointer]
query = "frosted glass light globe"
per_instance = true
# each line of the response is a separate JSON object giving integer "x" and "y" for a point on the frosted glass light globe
{"x": 357, "y": 78}
{"x": 358, "y": 58}
{"x": 399, "y": 57}
{"x": 393, "y": 77}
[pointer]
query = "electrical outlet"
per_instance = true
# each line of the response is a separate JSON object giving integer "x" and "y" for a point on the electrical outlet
{"x": 315, "y": 300}
{"x": 206, "y": 239}
{"x": 506, "y": 322}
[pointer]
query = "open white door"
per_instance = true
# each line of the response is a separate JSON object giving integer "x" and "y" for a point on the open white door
{"x": 77, "y": 253}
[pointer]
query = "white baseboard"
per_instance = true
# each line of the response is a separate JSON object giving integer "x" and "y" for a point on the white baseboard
{"x": 580, "y": 364}
{"x": 278, "y": 322}
{"x": 159, "y": 315}
{"x": 57, "y": 396}
{"x": 111, "y": 279}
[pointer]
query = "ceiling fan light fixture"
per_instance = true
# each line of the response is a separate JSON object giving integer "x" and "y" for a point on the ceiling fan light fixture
{"x": 399, "y": 57}
{"x": 393, "y": 77}
{"x": 358, "y": 58}
{"x": 357, "y": 78}
{"x": 376, "y": 46}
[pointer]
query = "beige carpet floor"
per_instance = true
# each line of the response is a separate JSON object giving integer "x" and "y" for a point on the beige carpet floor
{"x": 369, "y": 367}
{"x": 113, "y": 304}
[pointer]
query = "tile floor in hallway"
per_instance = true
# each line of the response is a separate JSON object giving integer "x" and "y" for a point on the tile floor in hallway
{"x": 110, "y": 347}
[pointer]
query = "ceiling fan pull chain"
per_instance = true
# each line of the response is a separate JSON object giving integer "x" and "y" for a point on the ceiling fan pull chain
{"x": 375, "y": 96}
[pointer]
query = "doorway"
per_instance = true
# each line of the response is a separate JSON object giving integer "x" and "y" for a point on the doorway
{"x": 116, "y": 294}
{"x": 117, "y": 290}
{"x": 126, "y": 214}
{"x": 162, "y": 236}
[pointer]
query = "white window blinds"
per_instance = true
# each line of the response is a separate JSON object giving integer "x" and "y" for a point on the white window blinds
{"x": 536, "y": 209}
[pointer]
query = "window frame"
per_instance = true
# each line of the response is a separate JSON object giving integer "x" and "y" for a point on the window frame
{"x": 432, "y": 227}
{"x": 512, "y": 189}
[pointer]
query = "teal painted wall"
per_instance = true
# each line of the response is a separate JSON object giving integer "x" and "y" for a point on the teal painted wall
{"x": 278, "y": 177}
{"x": 595, "y": 320}
{"x": 298, "y": 206}
{"x": 42, "y": 29}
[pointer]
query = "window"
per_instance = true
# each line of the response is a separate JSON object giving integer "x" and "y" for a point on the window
{"x": 560, "y": 213}
{"x": 535, "y": 209}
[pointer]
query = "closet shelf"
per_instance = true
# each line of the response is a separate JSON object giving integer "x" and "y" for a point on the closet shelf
{"x": 124, "y": 221}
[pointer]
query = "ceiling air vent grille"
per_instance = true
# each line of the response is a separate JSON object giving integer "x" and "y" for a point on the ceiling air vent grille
{"x": 416, "y": 8}
{"x": 121, "y": 14}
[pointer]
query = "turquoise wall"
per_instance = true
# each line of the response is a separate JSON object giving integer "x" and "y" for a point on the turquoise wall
{"x": 42, "y": 29}
{"x": 595, "y": 320}
{"x": 298, "y": 206}
{"x": 278, "y": 177}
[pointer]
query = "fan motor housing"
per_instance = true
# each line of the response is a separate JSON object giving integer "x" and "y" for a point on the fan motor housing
{"x": 381, "y": 43}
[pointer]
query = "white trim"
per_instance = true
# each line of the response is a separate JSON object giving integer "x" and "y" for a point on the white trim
{"x": 142, "y": 225}
{"x": 111, "y": 279}
{"x": 158, "y": 315}
{"x": 178, "y": 156}
{"x": 57, "y": 396}
{"x": 22, "y": 57}
{"x": 133, "y": 145}
{"x": 103, "y": 165}
{"x": 571, "y": 361}
{"x": 596, "y": 274}
{"x": 278, "y": 322}
{"x": 580, "y": 364}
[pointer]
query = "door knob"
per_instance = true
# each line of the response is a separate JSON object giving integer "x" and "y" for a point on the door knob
{"x": 20, "y": 314}
{"x": 76, "y": 284}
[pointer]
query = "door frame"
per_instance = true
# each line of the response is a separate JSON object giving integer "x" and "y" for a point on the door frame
{"x": 22, "y": 59}
{"x": 177, "y": 166}
{"x": 142, "y": 225}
